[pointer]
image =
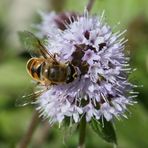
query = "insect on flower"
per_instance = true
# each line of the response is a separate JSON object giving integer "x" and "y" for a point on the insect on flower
{"x": 82, "y": 71}
{"x": 45, "y": 69}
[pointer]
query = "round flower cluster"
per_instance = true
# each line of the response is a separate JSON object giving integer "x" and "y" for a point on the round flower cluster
{"x": 52, "y": 22}
{"x": 102, "y": 89}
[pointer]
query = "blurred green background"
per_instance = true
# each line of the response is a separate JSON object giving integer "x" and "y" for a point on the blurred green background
{"x": 20, "y": 15}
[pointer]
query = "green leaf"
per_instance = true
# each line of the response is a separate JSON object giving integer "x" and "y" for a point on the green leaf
{"x": 104, "y": 129}
{"x": 67, "y": 122}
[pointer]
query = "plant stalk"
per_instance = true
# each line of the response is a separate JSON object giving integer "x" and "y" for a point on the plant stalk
{"x": 27, "y": 137}
{"x": 82, "y": 132}
{"x": 90, "y": 5}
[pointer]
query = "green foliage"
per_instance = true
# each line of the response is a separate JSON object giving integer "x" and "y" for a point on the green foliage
{"x": 104, "y": 129}
{"x": 14, "y": 121}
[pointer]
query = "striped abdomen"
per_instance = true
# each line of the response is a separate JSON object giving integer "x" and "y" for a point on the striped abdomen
{"x": 34, "y": 68}
{"x": 47, "y": 72}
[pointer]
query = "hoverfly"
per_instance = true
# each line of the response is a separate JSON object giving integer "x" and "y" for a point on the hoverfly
{"x": 44, "y": 68}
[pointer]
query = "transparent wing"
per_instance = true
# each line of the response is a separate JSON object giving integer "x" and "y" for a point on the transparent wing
{"x": 34, "y": 45}
{"x": 23, "y": 101}
{"x": 28, "y": 97}
{"x": 29, "y": 42}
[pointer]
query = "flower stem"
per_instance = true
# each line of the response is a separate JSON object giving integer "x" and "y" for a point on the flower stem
{"x": 27, "y": 137}
{"x": 89, "y": 5}
{"x": 57, "y": 5}
{"x": 82, "y": 132}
